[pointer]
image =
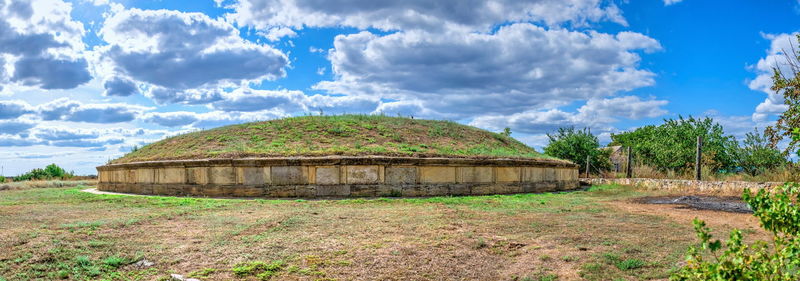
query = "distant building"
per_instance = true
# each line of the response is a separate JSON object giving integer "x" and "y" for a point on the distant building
{"x": 617, "y": 157}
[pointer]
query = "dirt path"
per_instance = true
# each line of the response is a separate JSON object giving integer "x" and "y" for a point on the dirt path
{"x": 682, "y": 214}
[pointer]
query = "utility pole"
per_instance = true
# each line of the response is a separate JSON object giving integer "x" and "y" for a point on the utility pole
{"x": 698, "y": 159}
{"x": 629, "y": 168}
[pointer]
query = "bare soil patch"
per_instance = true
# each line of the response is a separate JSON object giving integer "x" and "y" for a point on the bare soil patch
{"x": 700, "y": 202}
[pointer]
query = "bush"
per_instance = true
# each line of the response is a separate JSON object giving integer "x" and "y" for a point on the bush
{"x": 576, "y": 146}
{"x": 757, "y": 155}
{"x": 779, "y": 215}
{"x": 50, "y": 172}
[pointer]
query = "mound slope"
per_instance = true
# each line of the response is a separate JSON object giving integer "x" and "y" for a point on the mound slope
{"x": 351, "y": 135}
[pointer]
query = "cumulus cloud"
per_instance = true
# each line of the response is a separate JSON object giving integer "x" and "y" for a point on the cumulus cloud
{"x": 68, "y": 110}
{"x": 597, "y": 114}
{"x": 776, "y": 57}
{"x": 58, "y": 134}
{"x": 42, "y": 45}
{"x": 11, "y": 109}
{"x": 469, "y": 15}
{"x": 14, "y": 127}
{"x": 670, "y": 2}
{"x": 521, "y": 66}
{"x": 61, "y": 136}
{"x": 119, "y": 86}
{"x": 178, "y": 55}
{"x": 6, "y": 140}
{"x": 171, "y": 119}
{"x": 255, "y": 100}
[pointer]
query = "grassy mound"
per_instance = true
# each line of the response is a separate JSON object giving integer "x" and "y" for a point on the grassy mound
{"x": 336, "y": 135}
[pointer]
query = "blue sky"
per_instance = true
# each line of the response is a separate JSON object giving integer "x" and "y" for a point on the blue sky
{"x": 83, "y": 81}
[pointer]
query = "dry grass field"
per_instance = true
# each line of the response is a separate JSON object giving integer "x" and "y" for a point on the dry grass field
{"x": 597, "y": 234}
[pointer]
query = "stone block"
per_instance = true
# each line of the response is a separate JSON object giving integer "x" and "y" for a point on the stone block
{"x": 436, "y": 189}
{"x": 306, "y": 191}
{"x": 414, "y": 190}
{"x": 222, "y": 175}
{"x": 475, "y": 174}
{"x": 289, "y": 175}
{"x": 171, "y": 175}
{"x": 508, "y": 174}
{"x": 281, "y": 191}
{"x": 246, "y": 191}
{"x": 532, "y": 174}
{"x": 363, "y": 175}
{"x": 333, "y": 190}
{"x": 437, "y": 174}
{"x": 145, "y": 176}
{"x": 254, "y": 175}
{"x": 401, "y": 175}
{"x": 390, "y": 190}
{"x": 327, "y": 175}
{"x": 550, "y": 174}
{"x": 483, "y": 189}
{"x": 197, "y": 175}
{"x": 364, "y": 190}
{"x": 461, "y": 189}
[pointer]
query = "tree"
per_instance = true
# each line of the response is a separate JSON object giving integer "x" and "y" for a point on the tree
{"x": 52, "y": 171}
{"x": 576, "y": 145}
{"x": 671, "y": 146}
{"x": 758, "y": 155}
{"x": 786, "y": 81}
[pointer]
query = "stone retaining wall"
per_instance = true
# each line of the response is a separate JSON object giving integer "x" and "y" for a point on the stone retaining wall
{"x": 730, "y": 188}
{"x": 338, "y": 177}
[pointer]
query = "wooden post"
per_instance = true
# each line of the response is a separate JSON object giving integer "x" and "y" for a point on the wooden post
{"x": 587, "y": 165}
{"x": 629, "y": 168}
{"x": 698, "y": 164}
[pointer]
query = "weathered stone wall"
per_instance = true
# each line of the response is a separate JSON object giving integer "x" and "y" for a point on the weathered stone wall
{"x": 730, "y": 188}
{"x": 338, "y": 177}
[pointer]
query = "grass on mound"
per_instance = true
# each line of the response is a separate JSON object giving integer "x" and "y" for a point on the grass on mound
{"x": 336, "y": 135}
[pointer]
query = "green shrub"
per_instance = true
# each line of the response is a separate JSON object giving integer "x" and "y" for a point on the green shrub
{"x": 779, "y": 214}
{"x": 50, "y": 172}
{"x": 630, "y": 264}
{"x": 115, "y": 261}
{"x": 259, "y": 269}
{"x": 577, "y": 146}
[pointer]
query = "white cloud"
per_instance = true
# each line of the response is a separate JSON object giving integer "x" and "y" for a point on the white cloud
{"x": 519, "y": 68}
{"x": 171, "y": 119}
{"x": 15, "y": 127}
{"x": 464, "y": 15}
{"x": 68, "y": 110}
{"x": 671, "y": 2}
{"x": 256, "y": 100}
{"x": 176, "y": 55}
{"x": 597, "y": 114}
{"x": 10, "y": 109}
{"x": 774, "y": 103}
{"x": 40, "y": 45}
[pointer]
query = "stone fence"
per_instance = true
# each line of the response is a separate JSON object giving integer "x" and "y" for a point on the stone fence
{"x": 338, "y": 177}
{"x": 730, "y": 188}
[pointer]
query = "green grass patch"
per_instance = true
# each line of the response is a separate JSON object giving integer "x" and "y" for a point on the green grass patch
{"x": 259, "y": 269}
{"x": 336, "y": 135}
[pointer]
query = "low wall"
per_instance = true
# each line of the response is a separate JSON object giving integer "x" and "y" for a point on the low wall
{"x": 338, "y": 177}
{"x": 730, "y": 188}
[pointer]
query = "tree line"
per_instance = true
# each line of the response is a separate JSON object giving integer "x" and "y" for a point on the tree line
{"x": 670, "y": 147}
